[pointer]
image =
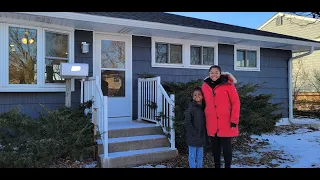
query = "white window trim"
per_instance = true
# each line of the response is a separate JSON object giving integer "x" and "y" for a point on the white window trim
{"x": 70, "y": 56}
{"x": 203, "y": 44}
{"x": 2, "y": 56}
{"x": 249, "y": 48}
{"x": 41, "y": 86}
{"x": 186, "y": 46}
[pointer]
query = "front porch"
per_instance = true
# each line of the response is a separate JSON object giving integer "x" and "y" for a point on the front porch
{"x": 123, "y": 143}
{"x": 134, "y": 143}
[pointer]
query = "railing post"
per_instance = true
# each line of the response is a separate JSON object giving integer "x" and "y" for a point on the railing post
{"x": 159, "y": 98}
{"x": 172, "y": 131}
{"x": 105, "y": 126}
{"x": 139, "y": 99}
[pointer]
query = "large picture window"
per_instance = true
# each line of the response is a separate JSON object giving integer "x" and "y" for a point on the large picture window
{"x": 30, "y": 57}
{"x": 22, "y": 55}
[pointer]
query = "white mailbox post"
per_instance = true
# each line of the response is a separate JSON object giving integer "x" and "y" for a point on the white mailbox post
{"x": 72, "y": 71}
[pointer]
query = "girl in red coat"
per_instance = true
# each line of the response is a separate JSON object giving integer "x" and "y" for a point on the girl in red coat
{"x": 222, "y": 113}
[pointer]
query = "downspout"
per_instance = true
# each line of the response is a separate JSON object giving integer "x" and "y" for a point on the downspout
{"x": 290, "y": 81}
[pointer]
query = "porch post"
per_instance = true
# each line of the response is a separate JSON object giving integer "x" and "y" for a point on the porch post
{"x": 68, "y": 93}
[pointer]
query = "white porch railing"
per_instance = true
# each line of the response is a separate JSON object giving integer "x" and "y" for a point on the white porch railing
{"x": 92, "y": 91}
{"x": 154, "y": 104}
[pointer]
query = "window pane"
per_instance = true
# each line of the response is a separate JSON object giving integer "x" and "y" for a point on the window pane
{"x": 195, "y": 55}
{"x": 240, "y": 58}
{"x": 52, "y": 71}
{"x": 113, "y": 83}
{"x": 175, "y": 54}
{"x": 161, "y": 53}
{"x": 22, "y": 55}
{"x": 56, "y": 45}
{"x": 113, "y": 54}
{"x": 56, "y": 53}
{"x": 208, "y": 56}
{"x": 251, "y": 59}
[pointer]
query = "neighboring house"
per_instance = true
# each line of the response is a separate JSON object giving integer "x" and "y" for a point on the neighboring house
{"x": 123, "y": 47}
{"x": 304, "y": 27}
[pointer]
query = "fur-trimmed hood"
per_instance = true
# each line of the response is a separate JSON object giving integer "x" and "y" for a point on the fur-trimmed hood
{"x": 228, "y": 75}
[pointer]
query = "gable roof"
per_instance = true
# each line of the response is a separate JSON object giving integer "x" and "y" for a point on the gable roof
{"x": 289, "y": 15}
{"x": 167, "y": 18}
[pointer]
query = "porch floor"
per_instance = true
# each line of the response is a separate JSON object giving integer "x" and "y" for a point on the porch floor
{"x": 129, "y": 124}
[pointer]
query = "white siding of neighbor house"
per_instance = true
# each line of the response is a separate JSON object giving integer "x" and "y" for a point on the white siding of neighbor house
{"x": 305, "y": 29}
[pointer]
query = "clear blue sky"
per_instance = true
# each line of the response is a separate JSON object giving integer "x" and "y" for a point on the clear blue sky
{"x": 246, "y": 19}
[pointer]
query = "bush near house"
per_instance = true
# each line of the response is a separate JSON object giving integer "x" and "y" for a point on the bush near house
{"x": 30, "y": 143}
{"x": 257, "y": 116}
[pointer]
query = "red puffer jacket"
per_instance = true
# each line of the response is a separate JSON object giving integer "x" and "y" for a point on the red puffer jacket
{"x": 222, "y": 106}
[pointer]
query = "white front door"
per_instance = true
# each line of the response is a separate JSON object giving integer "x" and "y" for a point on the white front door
{"x": 113, "y": 62}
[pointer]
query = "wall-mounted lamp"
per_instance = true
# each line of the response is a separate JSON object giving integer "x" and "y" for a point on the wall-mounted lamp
{"x": 84, "y": 47}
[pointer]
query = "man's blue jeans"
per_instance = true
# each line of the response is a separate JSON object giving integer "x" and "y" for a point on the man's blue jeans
{"x": 195, "y": 157}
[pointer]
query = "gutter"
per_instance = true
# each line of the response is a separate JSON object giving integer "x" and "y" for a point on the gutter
{"x": 290, "y": 81}
{"x": 167, "y": 27}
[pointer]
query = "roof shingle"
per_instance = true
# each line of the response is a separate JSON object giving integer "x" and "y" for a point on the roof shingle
{"x": 167, "y": 18}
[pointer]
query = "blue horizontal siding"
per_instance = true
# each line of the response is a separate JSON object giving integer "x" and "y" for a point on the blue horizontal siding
{"x": 273, "y": 70}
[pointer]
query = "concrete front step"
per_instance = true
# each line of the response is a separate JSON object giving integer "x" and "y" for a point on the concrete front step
{"x": 134, "y": 158}
{"x": 135, "y": 131}
{"x": 134, "y": 143}
{"x": 137, "y": 142}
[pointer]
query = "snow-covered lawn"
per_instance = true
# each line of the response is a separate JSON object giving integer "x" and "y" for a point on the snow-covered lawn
{"x": 296, "y": 149}
{"x": 310, "y": 121}
{"x": 289, "y": 147}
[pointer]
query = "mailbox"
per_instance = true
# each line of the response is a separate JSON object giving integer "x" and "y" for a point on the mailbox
{"x": 74, "y": 70}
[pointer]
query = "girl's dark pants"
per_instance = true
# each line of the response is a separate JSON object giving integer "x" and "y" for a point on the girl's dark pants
{"x": 225, "y": 144}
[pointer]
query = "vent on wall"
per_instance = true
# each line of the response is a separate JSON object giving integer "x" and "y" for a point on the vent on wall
{"x": 279, "y": 20}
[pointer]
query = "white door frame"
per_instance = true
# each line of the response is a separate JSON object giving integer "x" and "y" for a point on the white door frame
{"x": 97, "y": 63}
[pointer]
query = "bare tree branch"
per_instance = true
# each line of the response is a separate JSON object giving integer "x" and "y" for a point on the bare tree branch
{"x": 315, "y": 15}
{"x": 316, "y": 82}
{"x": 307, "y": 14}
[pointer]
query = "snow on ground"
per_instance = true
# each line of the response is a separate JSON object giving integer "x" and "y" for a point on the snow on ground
{"x": 299, "y": 121}
{"x": 90, "y": 165}
{"x": 303, "y": 147}
{"x": 293, "y": 147}
{"x": 306, "y": 121}
{"x": 298, "y": 149}
{"x": 289, "y": 149}
{"x": 150, "y": 166}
